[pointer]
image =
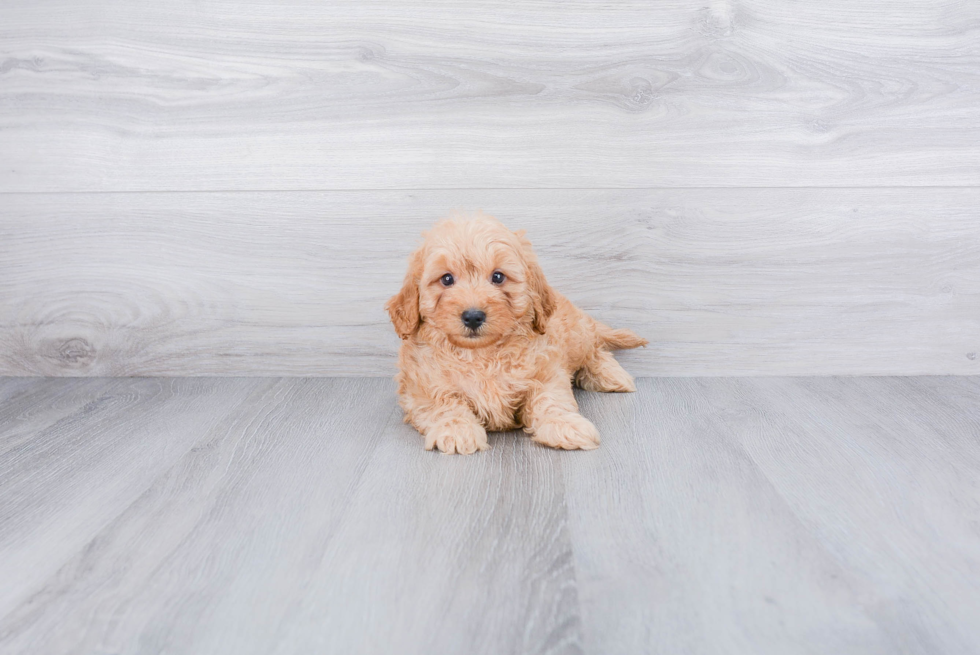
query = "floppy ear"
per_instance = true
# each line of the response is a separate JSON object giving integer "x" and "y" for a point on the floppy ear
{"x": 542, "y": 296}
{"x": 404, "y": 305}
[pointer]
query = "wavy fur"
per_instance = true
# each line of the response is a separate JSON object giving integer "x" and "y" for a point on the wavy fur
{"x": 517, "y": 369}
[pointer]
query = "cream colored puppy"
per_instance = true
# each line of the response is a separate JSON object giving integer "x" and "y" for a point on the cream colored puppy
{"x": 488, "y": 345}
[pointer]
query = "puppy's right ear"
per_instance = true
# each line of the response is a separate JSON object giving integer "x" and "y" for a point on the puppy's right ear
{"x": 404, "y": 305}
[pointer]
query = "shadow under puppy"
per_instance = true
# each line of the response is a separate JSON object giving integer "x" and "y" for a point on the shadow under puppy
{"x": 488, "y": 345}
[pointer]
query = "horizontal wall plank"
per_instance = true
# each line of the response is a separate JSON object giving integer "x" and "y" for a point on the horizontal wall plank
{"x": 302, "y": 94}
{"x": 722, "y": 281}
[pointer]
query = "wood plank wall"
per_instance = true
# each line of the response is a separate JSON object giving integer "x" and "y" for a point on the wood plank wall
{"x": 232, "y": 188}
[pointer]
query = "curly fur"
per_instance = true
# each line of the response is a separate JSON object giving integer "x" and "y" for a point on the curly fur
{"x": 517, "y": 369}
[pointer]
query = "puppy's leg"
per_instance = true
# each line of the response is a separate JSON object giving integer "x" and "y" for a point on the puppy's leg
{"x": 602, "y": 372}
{"x": 450, "y": 426}
{"x": 551, "y": 416}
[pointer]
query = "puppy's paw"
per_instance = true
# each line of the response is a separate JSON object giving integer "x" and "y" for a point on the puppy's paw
{"x": 570, "y": 432}
{"x": 603, "y": 373}
{"x": 460, "y": 437}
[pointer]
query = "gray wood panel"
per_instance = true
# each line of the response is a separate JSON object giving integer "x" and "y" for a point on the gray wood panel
{"x": 473, "y": 553}
{"x": 304, "y": 505}
{"x": 771, "y": 515}
{"x": 230, "y": 523}
{"x": 780, "y": 516}
{"x": 183, "y": 95}
{"x": 72, "y": 477}
{"x": 706, "y": 555}
{"x": 908, "y": 528}
{"x": 31, "y": 405}
{"x": 722, "y": 281}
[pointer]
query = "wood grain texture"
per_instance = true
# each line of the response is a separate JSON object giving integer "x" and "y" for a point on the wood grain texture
{"x": 294, "y": 521}
{"x": 258, "y": 488}
{"x": 780, "y": 516}
{"x": 909, "y": 529}
{"x": 766, "y": 515}
{"x": 184, "y": 95}
{"x": 471, "y": 553}
{"x": 33, "y": 404}
{"x": 706, "y": 555}
{"x": 71, "y": 478}
{"x": 722, "y": 281}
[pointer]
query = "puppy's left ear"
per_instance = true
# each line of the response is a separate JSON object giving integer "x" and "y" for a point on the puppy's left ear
{"x": 543, "y": 298}
{"x": 404, "y": 305}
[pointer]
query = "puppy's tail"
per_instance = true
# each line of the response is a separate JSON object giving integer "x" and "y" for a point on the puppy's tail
{"x": 621, "y": 339}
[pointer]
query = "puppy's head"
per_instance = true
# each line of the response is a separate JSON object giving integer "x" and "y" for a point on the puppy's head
{"x": 475, "y": 281}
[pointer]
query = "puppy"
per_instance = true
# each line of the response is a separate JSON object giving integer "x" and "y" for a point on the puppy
{"x": 488, "y": 345}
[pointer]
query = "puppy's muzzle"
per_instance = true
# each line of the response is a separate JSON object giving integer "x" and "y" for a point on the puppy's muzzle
{"x": 473, "y": 319}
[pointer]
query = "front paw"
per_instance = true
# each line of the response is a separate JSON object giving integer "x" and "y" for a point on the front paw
{"x": 464, "y": 438}
{"x": 570, "y": 431}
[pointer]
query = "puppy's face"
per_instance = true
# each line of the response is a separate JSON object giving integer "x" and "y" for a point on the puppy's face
{"x": 474, "y": 281}
{"x": 473, "y": 286}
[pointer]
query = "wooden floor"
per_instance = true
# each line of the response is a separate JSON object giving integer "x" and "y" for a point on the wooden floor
{"x": 721, "y": 515}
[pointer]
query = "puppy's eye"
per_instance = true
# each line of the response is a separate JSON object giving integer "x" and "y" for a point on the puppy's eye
{"x": 497, "y": 277}
{"x": 447, "y": 280}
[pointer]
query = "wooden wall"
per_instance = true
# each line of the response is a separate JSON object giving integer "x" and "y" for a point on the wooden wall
{"x": 232, "y": 188}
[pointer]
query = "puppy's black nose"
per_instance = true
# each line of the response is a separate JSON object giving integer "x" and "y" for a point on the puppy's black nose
{"x": 473, "y": 318}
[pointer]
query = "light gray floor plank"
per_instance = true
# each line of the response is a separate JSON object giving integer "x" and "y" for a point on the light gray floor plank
{"x": 722, "y": 281}
{"x": 783, "y": 516}
{"x": 753, "y": 515}
{"x": 12, "y": 388}
{"x": 442, "y": 554}
{"x": 298, "y": 94}
{"x": 903, "y": 510}
{"x": 30, "y": 405}
{"x": 63, "y": 486}
{"x": 213, "y": 556}
{"x": 682, "y": 545}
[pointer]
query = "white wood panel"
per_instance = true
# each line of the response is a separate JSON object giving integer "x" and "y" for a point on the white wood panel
{"x": 723, "y": 281}
{"x": 185, "y": 95}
